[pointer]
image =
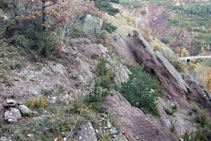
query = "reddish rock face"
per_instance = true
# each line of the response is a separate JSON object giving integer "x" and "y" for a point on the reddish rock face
{"x": 132, "y": 50}
{"x": 135, "y": 125}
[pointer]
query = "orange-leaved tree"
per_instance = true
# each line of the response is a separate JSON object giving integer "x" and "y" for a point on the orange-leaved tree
{"x": 145, "y": 32}
{"x": 51, "y": 12}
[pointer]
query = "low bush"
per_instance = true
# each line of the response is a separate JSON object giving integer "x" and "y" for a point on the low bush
{"x": 110, "y": 28}
{"x": 44, "y": 44}
{"x": 35, "y": 104}
{"x": 165, "y": 40}
{"x": 100, "y": 85}
{"x": 177, "y": 66}
{"x": 144, "y": 12}
{"x": 140, "y": 91}
{"x": 191, "y": 136}
{"x": 107, "y": 7}
{"x": 171, "y": 112}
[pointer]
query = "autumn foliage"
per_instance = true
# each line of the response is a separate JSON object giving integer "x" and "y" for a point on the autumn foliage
{"x": 145, "y": 32}
{"x": 51, "y": 13}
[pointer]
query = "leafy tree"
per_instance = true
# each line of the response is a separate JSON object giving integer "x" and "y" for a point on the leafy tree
{"x": 145, "y": 32}
{"x": 140, "y": 90}
{"x": 51, "y": 13}
{"x": 28, "y": 10}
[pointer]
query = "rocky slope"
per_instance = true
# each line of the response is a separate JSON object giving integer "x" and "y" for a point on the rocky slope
{"x": 68, "y": 79}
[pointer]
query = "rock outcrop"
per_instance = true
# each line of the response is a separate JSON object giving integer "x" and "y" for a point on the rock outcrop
{"x": 132, "y": 50}
{"x": 135, "y": 125}
{"x": 92, "y": 24}
{"x": 87, "y": 133}
{"x": 202, "y": 96}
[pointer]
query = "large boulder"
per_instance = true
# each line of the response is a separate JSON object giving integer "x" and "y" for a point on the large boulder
{"x": 135, "y": 125}
{"x": 12, "y": 115}
{"x": 92, "y": 25}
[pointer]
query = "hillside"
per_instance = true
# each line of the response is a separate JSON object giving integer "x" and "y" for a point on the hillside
{"x": 81, "y": 74}
{"x": 174, "y": 23}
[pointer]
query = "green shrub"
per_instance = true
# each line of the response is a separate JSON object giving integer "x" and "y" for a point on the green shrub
{"x": 110, "y": 28}
{"x": 35, "y": 104}
{"x": 104, "y": 5}
{"x": 138, "y": 90}
{"x": 165, "y": 40}
{"x": 177, "y": 66}
{"x": 173, "y": 127}
{"x": 112, "y": 11}
{"x": 144, "y": 12}
{"x": 101, "y": 84}
{"x": 191, "y": 136}
{"x": 171, "y": 112}
{"x": 44, "y": 44}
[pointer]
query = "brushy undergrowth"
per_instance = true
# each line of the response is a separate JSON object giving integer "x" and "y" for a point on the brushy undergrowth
{"x": 101, "y": 84}
{"x": 34, "y": 103}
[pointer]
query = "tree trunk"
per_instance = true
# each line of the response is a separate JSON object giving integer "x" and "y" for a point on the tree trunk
{"x": 43, "y": 15}
{"x": 15, "y": 13}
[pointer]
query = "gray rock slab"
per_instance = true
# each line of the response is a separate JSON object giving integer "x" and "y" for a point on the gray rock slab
{"x": 92, "y": 24}
{"x": 86, "y": 133}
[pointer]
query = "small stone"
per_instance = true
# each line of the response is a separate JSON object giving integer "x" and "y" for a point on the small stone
{"x": 74, "y": 48}
{"x": 113, "y": 130}
{"x": 1, "y": 62}
{"x": 9, "y": 105}
{"x": 104, "y": 115}
{"x": 3, "y": 139}
{"x": 65, "y": 139}
{"x": 108, "y": 124}
{"x": 55, "y": 139}
{"x": 96, "y": 131}
{"x": 62, "y": 133}
{"x": 114, "y": 136}
{"x": 10, "y": 101}
{"x": 30, "y": 135}
{"x": 168, "y": 97}
{"x": 137, "y": 137}
{"x": 16, "y": 79}
{"x": 33, "y": 113}
{"x": 20, "y": 103}
{"x": 24, "y": 109}
{"x": 172, "y": 104}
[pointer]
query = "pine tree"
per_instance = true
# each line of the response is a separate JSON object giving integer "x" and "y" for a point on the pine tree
{"x": 140, "y": 90}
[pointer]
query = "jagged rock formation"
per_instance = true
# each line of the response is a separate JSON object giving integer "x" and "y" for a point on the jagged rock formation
{"x": 135, "y": 124}
{"x": 92, "y": 24}
{"x": 203, "y": 97}
{"x": 134, "y": 52}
